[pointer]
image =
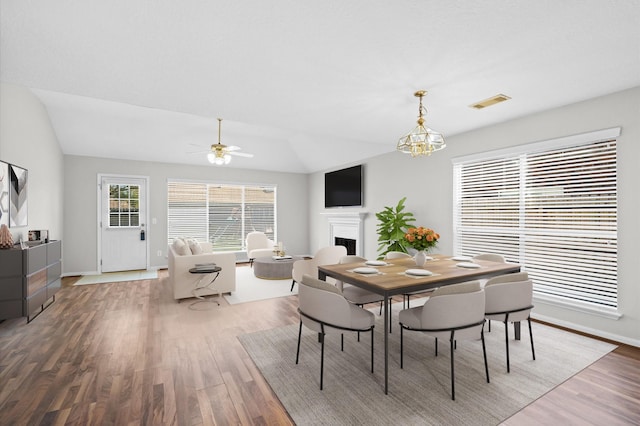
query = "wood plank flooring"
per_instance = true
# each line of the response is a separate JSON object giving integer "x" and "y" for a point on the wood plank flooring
{"x": 127, "y": 353}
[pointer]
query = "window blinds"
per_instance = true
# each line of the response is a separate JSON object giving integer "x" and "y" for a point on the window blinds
{"x": 220, "y": 213}
{"x": 553, "y": 211}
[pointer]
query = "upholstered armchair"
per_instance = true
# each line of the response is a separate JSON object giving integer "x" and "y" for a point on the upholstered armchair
{"x": 258, "y": 245}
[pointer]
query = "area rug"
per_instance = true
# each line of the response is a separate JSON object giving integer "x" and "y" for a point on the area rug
{"x": 419, "y": 394}
{"x": 114, "y": 277}
{"x": 249, "y": 288}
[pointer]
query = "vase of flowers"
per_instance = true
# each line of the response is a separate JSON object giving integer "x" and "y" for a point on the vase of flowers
{"x": 421, "y": 239}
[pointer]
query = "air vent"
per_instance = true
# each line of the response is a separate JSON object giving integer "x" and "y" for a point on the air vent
{"x": 490, "y": 101}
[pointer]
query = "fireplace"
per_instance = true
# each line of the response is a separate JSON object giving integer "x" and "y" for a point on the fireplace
{"x": 346, "y": 229}
{"x": 349, "y": 243}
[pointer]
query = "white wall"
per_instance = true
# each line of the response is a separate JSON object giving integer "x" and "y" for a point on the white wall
{"x": 80, "y": 197}
{"x": 428, "y": 185}
{"x": 28, "y": 140}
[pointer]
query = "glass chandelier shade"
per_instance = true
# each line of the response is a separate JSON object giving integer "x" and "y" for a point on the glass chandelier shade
{"x": 421, "y": 140}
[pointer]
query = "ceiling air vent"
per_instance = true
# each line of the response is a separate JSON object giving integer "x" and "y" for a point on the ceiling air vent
{"x": 490, "y": 101}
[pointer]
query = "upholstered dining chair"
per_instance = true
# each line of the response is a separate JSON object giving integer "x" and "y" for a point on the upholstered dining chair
{"x": 324, "y": 309}
{"x": 508, "y": 298}
{"x": 493, "y": 257}
{"x": 452, "y": 312}
{"x": 330, "y": 255}
{"x": 258, "y": 245}
{"x": 356, "y": 295}
{"x": 405, "y": 296}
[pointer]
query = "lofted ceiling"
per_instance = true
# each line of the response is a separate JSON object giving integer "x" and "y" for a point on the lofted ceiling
{"x": 304, "y": 85}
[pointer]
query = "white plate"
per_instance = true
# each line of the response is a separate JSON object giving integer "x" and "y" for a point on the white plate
{"x": 468, "y": 265}
{"x": 375, "y": 263}
{"x": 462, "y": 258}
{"x": 363, "y": 270}
{"x": 418, "y": 272}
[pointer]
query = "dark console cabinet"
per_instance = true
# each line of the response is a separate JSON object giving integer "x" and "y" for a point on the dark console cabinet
{"x": 29, "y": 279}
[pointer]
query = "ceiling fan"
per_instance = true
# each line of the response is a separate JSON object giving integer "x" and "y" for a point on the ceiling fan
{"x": 221, "y": 154}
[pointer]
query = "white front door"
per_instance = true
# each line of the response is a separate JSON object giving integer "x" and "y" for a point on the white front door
{"x": 122, "y": 223}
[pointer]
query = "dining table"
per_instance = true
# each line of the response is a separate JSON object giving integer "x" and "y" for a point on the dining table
{"x": 401, "y": 276}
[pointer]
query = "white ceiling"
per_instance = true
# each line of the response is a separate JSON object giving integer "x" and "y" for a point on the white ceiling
{"x": 304, "y": 85}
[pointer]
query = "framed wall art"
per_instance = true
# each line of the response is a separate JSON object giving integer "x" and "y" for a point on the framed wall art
{"x": 17, "y": 196}
{"x": 4, "y": 193}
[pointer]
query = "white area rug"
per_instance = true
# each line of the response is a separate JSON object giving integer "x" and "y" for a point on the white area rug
{"x": 419, "y": 394}
{"x": 249, "y": 288}
{"x": 114, "y": 277}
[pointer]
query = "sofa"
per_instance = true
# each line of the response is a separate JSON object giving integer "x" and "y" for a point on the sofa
{"x": 184, "y": 255}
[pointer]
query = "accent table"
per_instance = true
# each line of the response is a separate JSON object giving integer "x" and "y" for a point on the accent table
{"x": 209, "y": 273}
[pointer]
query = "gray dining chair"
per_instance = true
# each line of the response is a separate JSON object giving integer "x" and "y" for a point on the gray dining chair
{"x": 406, "y": 297}
{"x": 324, "y": 309}
{"x": 453, "y": 312}
{"x": 508, "y": 298}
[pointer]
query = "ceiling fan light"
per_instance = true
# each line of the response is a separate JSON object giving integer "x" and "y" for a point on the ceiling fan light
{"x": 211, "y": 157}
{"x": 227, "y": 159}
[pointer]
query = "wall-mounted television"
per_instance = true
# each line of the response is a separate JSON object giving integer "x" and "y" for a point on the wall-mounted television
{"x": 343, "y": 188}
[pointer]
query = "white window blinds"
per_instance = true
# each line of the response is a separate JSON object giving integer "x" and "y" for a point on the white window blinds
{"x": 554, "y": 211}
{"x": 222, "y": 214}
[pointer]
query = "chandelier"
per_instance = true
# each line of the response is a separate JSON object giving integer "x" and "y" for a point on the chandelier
{"x": 421, "y": 140}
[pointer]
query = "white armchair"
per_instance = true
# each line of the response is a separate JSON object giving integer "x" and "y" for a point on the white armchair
{"x": 183, "y": 282}
{"x": 258, "y": 245}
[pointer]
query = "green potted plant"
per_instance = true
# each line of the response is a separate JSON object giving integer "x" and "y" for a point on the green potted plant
{"x": 392, "y": 227}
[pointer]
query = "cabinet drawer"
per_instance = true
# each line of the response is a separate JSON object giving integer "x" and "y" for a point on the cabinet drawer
{"x": 54, "y": 252}
{"x": 10, "y": 309}
{"x": 35, "y": 302}
{"x": 52, "y": 288}
{"x": 11, "y": 263}
{"x": 36, "y": 281}
{"x": 35, "y": 259}
{"x": 54, "y": 271}
{"x": 11, "y": 288}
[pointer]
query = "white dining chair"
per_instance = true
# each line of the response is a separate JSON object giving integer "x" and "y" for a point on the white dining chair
{"x": 330, "y": 255}
{"x": 453, "y": 312}
{"x": 509, "y": 298}
{"x": 324, "y": 309}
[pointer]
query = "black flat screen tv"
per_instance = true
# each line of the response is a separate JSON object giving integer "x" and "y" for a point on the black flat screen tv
{"x": 343, "y": 188}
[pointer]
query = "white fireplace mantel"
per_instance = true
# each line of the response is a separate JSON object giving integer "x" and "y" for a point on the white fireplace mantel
{"x": 348, "y": 224}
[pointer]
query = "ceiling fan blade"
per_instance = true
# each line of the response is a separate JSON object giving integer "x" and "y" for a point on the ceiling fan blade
{"x": 241, "y": 154}
{"x": 233, "y": 148}
{"x": 199, "y": 152}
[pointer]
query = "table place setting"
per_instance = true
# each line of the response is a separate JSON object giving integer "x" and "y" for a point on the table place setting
{"x": 376, "y": 263}
{"x": 462, "y": 258}
{"x": 365, "y": 271}
{"x": 468, "y": 265}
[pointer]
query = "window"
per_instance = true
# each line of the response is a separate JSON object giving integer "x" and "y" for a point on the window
{"x": 222, "y": 214}
{"x": 124, "y": 206}
{"x": 551, "y": 207}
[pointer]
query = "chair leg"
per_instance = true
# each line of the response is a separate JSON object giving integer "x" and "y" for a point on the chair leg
{"x": 453, "y": 380}
{"x": 401, "y": 345}
{"x": 299, "y": 335}
{"x": 322, "y": 357}
{"x": 436, "y": 346}
{"x": 293, "y": 282}
{"x": 341, "y": 342}
{"x": 372, "y": 349}
{"x": 381, "y": 305}
{"x": 484, "y": 353}
{"x": 506, "y": 342}
{"x": 250, "y": 263}
{"x": 489, "y": 326}
{"x": 533, "y": 352}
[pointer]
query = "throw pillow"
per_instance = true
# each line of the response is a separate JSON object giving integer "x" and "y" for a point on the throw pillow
{"x": 180, "y": 247}
{"x": 194, "y": 246}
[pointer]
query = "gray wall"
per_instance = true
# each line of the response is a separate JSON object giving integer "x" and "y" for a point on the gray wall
{"x": 28, "y": 140}
{"x": 428, "y": 185}
{"x": 81, "y": 204}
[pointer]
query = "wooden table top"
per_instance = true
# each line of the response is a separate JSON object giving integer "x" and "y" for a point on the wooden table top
{"x": 391, "y": 279}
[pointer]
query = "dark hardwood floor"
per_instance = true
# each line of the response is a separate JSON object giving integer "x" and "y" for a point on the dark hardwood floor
{"x": 127, "y": 353}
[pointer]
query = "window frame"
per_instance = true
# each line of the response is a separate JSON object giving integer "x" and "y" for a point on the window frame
{"x": 518, "y": 153}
